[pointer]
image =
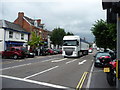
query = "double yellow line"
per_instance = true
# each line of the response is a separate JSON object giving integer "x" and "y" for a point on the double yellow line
{"x": 80, "y": 84}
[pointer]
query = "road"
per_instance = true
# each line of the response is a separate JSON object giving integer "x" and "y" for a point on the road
{"x": 52, "y": 72}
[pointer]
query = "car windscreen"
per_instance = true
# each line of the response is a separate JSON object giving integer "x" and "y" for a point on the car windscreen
{"x": 102, "y": 54}
{"x": 70, "y": 42}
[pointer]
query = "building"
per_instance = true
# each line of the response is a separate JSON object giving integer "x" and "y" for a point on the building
{"x": 32, "y": 25}
{"x": 12, "y": 35}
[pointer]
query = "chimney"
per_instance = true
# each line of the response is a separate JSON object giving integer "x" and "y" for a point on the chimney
{"x": 20, "y": 18}
{"x": 39, "y": 21}
{"x": 20, "y": 14}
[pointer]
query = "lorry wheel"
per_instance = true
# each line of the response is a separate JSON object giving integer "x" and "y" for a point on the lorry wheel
{"x": 15, "y": 57}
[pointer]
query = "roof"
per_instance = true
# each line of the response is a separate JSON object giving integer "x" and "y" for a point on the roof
{"x": 31, "y": 21}
{"x": 10, "y": 25}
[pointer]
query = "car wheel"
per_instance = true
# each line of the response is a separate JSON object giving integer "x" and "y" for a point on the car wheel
{"x": 15, "y": 57}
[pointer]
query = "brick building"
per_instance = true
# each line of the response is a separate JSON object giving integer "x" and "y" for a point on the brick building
{"x": 32, "y": 25}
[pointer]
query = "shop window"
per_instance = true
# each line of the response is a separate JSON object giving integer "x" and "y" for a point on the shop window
{"x": 10, "y": 34}
{"x": 22, "y": 36}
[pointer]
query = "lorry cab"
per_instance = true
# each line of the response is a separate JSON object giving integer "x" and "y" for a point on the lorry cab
{"x": 73, "y": 46}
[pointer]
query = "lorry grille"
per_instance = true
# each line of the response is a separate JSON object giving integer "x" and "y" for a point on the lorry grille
{"x": 69, "y": 51}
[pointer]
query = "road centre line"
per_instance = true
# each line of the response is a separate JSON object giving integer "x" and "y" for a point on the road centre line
{"x": 82, "y": 62}
{"x": 80, "y": 84}
{"x": 34, "y": 82}
{"x": 59, "y": 60}
{"x": 49, "y": 59}
{"x": 90, "y": 76}
{"x": 24, "y": 65}
{"x": 71, "y": 61}
{"x": 15, "y": 66}
{"x": 41, "y": 72}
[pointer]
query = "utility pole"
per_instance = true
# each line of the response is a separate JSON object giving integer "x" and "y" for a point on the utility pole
{"x": 118, "y": 53}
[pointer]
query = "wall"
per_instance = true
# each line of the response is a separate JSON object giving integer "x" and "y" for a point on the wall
{"x": 16, "y": 37}
{"x": 2, "y": 39}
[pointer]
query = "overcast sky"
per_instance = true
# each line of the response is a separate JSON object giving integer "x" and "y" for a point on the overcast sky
{"x": 76, "y": 16}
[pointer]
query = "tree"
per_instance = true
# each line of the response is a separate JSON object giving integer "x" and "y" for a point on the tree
{"x": 35, "y": 40}
{"x": 69, "y": 33}
{"x": 105, "y": 34}
{"x": 57, "y": 36}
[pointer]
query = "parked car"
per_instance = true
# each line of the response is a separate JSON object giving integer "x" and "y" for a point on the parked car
{"x": 55, "y": 51}
{"x": 59, "y": 51}
{"x": 98, "y": 58}
{"x": 14, "y": 52}
{"x": 50, "y": 51}
{"x": 44, "y": 51}
{"x": 90, "y": 50}
{"x": 30, "y": 54}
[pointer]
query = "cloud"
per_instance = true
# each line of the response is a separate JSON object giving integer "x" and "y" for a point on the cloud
{"x": 76, "y": 16}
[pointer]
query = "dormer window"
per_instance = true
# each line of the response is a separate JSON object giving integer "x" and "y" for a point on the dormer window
{"x": 35, "y": 23}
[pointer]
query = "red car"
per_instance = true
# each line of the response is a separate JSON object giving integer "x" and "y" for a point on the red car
{"x": 50, "y": 51}
{"x": 14, "y": 52}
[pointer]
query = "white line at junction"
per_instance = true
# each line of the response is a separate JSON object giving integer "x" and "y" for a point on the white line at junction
{"x": 34, "y": 82}
{"x": 41, "y": 72}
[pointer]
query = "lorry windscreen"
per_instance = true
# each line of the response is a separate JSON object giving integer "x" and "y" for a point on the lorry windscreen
{"x": 70, "y": 43}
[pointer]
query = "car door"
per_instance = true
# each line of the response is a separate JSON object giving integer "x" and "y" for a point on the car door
{"x": 11, "y": 52}
{"x": 7, "y": 52}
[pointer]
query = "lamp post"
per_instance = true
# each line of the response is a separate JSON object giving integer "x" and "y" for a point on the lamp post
{"x": 48, "y": 41}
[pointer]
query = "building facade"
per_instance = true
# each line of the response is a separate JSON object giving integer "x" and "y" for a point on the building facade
{"x": 32, "y": 25}
{"x": 12, "y": 35}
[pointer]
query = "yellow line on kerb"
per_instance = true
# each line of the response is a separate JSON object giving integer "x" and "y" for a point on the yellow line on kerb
{"x": 80, "y": 84}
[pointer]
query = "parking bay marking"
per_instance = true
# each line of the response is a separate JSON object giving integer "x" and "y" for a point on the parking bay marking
{"x": 41, "y": 72}
{"x": 34, "y": 82}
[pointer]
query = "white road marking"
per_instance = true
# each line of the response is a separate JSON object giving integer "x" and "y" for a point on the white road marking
{"x": 82, "y": 62}
{"x": 59, "y": 60}
{"x": 49, "y": 59}
{"x": 35, "y": 82}
{"x": 16, "y": 66}
{"x": 90, "y": 76}
{"x": 41, "y": 72}
{"x": 71, "y": 61}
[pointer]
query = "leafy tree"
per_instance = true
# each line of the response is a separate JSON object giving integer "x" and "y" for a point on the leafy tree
{"x": 69, "y": 33}
{"x": 35, "y": 40}
{"x": 105, "y": 34}
{"x": 57, "y": 36}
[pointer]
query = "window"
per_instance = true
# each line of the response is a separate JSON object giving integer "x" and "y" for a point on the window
{"x": 22, "y": 36}
{"x": 10, "y": 34}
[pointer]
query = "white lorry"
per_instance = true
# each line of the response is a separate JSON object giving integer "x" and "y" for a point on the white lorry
{"x": 74, "y": 46}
